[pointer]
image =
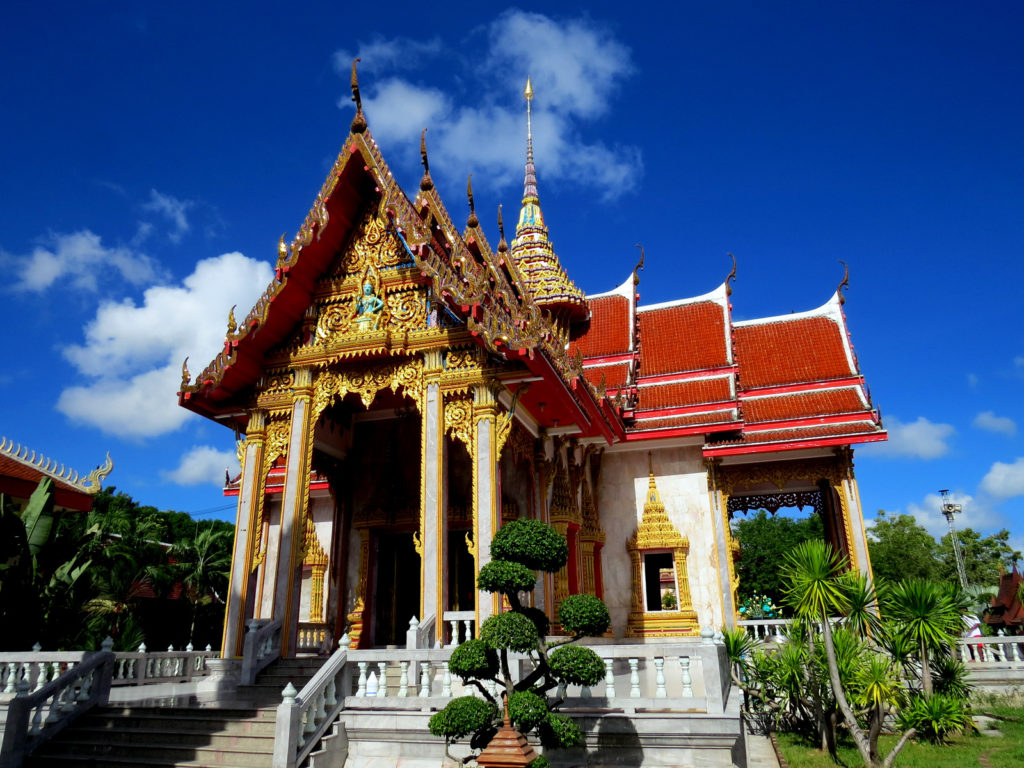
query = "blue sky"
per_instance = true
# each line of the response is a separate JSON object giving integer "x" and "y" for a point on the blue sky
{"x": 151, "y": 155}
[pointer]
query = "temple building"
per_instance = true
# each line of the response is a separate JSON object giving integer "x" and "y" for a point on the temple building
{"x": 404, "y": 388}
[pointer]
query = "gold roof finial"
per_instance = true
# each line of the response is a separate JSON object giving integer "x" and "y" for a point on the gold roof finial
{"x": 186, "y": 377}
{"x": 528, "y": 91}
{"x": 730, "y": 277}
{"x": 845, "y": 283}
{"x": 232, "y": 325}
{"x": 426, "y": 183}
{"x": 472, "y": 221}
{"x": 639, "y": 266}
{"x": 359, "y": 121}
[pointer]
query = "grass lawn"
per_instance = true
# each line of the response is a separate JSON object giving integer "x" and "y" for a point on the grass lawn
{"x": 997, "y": 752}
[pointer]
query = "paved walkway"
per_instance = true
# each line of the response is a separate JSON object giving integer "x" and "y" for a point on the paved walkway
{"x": 759, "y": 752}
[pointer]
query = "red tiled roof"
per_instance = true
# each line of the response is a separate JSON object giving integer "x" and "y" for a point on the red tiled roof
{"x": 686, "y": 337}
{"x": 809, "y": 433}
{"x": 787, "y": 352}
{"x": 687, "y": 420}
{"x": 826, "y": 402}
{"x": 608, "y": 332}
{"x": 11, "y": 468}
{"x": 615, "y": 375}
{"x": 680, "y": 393}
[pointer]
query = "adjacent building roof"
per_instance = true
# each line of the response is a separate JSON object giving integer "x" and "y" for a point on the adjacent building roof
{"x": 21, "y": 469}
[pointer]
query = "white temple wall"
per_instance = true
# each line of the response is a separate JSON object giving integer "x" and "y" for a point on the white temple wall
{"x": 265, "y": 610}
{"x": 682, "y": 482}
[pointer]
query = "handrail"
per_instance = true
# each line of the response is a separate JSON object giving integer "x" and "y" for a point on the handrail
{"x": 262, "y": 647}
{"x": 303, "y": 717}
{"x": 37, "y": 716}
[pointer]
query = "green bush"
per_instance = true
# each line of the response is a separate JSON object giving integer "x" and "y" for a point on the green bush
{"x": 540, "y": 762}
{"x": 577, "y": 665}
{"x": 532, "y": 543}
{"x": 511, "y": 631}
{"x": 560, "y": 731}
{"x": 506, "y": 576}
{"x": 584, "y": 615}
{"x": 949, "y": 676}
{"x": 935, "y": 717}
{"x": 474, "y": 659}
{"x": 527, "y": 710}
{"x": 462, "y": 716}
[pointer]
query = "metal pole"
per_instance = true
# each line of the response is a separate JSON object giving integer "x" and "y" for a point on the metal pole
{"x": 948, "y": 510}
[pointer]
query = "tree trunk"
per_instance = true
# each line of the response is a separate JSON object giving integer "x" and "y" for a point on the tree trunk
{"x": 859, "y": 739}
{"x": 926, "y": 671}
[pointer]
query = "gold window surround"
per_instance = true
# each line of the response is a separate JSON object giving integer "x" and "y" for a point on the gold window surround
{"x": 656, "y": 535}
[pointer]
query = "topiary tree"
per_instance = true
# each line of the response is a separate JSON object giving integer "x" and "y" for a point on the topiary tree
{"x": 519, "y": 549}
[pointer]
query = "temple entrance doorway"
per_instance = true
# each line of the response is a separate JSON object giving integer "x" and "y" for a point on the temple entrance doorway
{"x": 396, "y": 588}
{"x": 461, "y": 573}
{"x": 766, "y": 531}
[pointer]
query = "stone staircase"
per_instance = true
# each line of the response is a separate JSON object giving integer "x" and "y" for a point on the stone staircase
{"x": 234, "y": 734}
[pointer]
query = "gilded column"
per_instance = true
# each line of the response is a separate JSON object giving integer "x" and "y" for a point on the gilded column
{"x": 247, "y": 528}
{"x": 853, "y": 514}
{"x": 295, "y": 498}
{"x": 432, "y": 543}
{"x": 725, "y": 546}
{"x": 486, "y": 493}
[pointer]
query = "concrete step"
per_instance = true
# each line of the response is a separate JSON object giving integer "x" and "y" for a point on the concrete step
{"x": 166, "y": 753}
{"x": 260, "y": 741}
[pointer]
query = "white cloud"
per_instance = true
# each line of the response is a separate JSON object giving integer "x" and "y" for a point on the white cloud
{"x": 576, "y": 67}
{"x": 133, "y": 353}
{"x": 987, "y": 420}
{"x": 976, "y": 513}
{"x": 203, "y": 464}
{"x": 1005, "y": 480}
{"x": 381, "y": 54}
{"x": 173, "y": 210}
{"x": 972, "y": 380}
{"x": 920, "y": 439}
{"x": 80, "y": 258}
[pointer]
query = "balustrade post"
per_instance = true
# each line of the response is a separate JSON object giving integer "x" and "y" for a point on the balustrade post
{"x": 361, "y": 689}
{"x": 287, "y": 729}
{"x": 634, "y": 678}
{"x": 609, "y": 679}
{"x": 660, "y": 692}
{"x": 403, "y": 681}
{"x": 383, "y": 679}
{"x": 425, "y": 679}
{"x": 454, "y": 623}
{"x": 684, "y": 671}
{"x": 446, "y": 680}
{"x": 468, "y": 626}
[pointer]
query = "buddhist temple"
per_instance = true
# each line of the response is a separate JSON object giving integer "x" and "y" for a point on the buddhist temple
{"x": 402, "y": 388}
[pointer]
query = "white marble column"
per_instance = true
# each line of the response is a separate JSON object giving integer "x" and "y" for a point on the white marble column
{"x": 293, "y": 511}
{"x": 246, "y": 528}
{"x": 486, "y": 490}
{"x": 719, "y": 519}
{"x": 434, "y": 518}
{"x": 849, "y": 502}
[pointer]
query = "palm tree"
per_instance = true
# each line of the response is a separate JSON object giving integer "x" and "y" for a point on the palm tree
{"x": 201, "y": 565}
{"x": 927, "y": 613}
{"x": 818, "y": 590}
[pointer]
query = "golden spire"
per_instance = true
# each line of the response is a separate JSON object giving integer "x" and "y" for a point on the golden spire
{"x": 359, "y": 121}
{"x": 426, "y": 183}
{"x": 532, "y": 252}
{"x": 653, "y": 505}
{"x": 472, "y": 221}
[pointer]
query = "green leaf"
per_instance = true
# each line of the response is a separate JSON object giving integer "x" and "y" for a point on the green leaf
{"x": 38, "y": 516}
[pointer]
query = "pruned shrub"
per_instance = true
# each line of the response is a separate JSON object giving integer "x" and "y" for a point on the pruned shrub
{"x": 560, "y": 731}
{"x": 935, "y": 717}
{"x": 584, "y": 615}
{"x": 511, "y": 631}
{"x": 474, "y": 659}
{"x": 532, "y": 543}
{"x": 527, "y": 710}
{"x": 461, "y": 717}
{"x": 577, "y": 665}
{"x": 506, "y": 576}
